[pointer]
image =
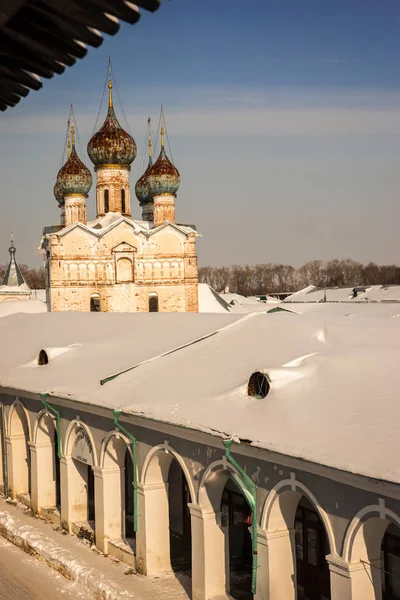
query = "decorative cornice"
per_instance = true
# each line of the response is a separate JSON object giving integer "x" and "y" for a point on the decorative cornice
{"x": 111, "y": 166}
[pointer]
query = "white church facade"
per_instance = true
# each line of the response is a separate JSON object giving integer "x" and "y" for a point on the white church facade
{"x": 117, "y": 263}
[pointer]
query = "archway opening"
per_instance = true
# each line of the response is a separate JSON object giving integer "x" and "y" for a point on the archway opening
{"x": 164, "y": 540}
{"x": 20, "y": 456}
{"x": 46, "y": 465}
{"x": 298, "y": 543}
{"x": 390, "y": 563}
{"x": 180, "y": 533}
{"x": 118, "y": 470}
{"x": 129, "y": 503}
{"x": 81, "y": 483}
{"x": 236, "y": 521}
{"x": 312, "y": 547}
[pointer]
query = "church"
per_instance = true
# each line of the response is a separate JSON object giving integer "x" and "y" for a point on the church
{"x": 117, "y": 263}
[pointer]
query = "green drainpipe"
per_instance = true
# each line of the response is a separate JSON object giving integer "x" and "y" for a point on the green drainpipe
{"x": 57, "y": 415}
{"x": 134, "y": 455}
{"x": 249, "y": 489}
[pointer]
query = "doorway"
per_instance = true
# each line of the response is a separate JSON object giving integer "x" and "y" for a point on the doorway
{"x": 236, "y": 518}
{"x": 180, "y": 535}
{"x": 390, "y": 561}
{"x": 313, "y": 577}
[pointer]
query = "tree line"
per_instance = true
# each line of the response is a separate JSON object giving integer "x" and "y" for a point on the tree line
{"x": 34, "y": 277}
{"x": 269, "y": 278}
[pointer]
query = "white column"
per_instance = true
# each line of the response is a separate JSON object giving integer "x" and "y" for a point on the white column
{"x": 74, "y": 496}
{"x": 109, "y": 486}
{"x": 209, "y": 555}
{"x": 43, "y": 476}
{"x": 276, "y": 576}
{"x": 355, "y": 581}
{"x": 152, "y": 545}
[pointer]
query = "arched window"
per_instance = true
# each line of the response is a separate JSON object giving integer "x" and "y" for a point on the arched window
{"x": 153, "y": 303}
{"x": 95, "y": 303}
{"x": 123, "y": 207}
{"x": 258, "y": 385}
{"x": 106, "y": 202}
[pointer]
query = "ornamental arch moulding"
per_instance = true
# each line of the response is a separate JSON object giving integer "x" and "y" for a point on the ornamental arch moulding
{"x": 156, "y": 466}
{"x": 116, "y": 454}
{"x": 15, "y": 405}
{"x": 71, "y": 440}
{"x": 280, "y": 507}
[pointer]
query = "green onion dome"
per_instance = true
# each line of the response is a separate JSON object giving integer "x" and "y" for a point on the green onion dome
{"x": 163, "y": 177}
{"x": 74, "y": 177}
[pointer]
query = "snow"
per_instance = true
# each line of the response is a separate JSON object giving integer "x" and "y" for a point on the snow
{"x": 373, "y": 293}
{"x": 352, "y": 309}
{"x": 333, "y": 397}
{"x": 15, "y": 288}
{"x": 210, "y": 301}
{"x": 11, "y": 307}
{"x": 57, "y": 557}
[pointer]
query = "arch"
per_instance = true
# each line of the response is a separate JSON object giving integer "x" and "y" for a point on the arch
{"x": 153, "y": 302}
{"x": 366, "y": 530}
{"x": 114, "y": 456}
{"x": 278, "y": 507}
{"x": 213, "y": 482}
{"x": 17, "y": 403}
{"x": 19, "y": 436}
{"x": 69, "y": 439}
{"x": 166, "y": 492}
{"x": 42, "y": 432}
{"x": 157, "y": 471}
{"x": 46, "y": 480}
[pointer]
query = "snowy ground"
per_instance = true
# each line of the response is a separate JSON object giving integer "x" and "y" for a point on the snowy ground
{"x": 25, "y": 578}
{"x": 102, "y": 575}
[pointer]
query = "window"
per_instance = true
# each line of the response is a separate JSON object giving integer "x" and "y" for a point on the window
{"x": 123, "y": 201}
{"x": 258, "y": 386}
{"x": 95, "y": 303}
{"x": 153, "y": 303}
{"x": 43, "y": 359}
{"x": 106, "y": 202}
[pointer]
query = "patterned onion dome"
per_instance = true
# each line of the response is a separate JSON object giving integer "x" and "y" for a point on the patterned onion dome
{"x": 163, "y": 177}
{"x": 142, "y": 188}
{"x": 74, "y": 177}
{"x": 58, "y": 193}
{"x": 111, "y": 144}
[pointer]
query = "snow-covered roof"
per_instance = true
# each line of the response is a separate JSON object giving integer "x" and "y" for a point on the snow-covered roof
{"x": 210, "y": 301}
{"x": 369, "y": 293}
{"x": 103, "y": 225}
{"x": 10, "y": 307}
{"x": 354, "y": 309}
{"x": 333, "y": 397}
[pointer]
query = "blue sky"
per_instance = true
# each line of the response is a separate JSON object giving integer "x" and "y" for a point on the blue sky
{"x": 283, "y": 118}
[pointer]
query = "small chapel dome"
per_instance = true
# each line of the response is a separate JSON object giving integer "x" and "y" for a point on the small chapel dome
{"x": 111, "y": 144}
{"x": 163, "y": 177}
{"x": 142, "y": 188}
{"x": 59, "y": 196}
{"x": 74, "y": 177}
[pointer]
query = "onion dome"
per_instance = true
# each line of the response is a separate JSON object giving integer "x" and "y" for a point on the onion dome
{"x": 58, "y": 193}
{"x": 141, "y": 187}
{"x": 74, "y": 177}
{"x": 111, "y": 145}
{"x": 163, "y": 177}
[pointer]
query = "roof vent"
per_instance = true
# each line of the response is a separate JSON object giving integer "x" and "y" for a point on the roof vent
{"x": 43, "y": 358}
{"x": 259, "y": 385}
